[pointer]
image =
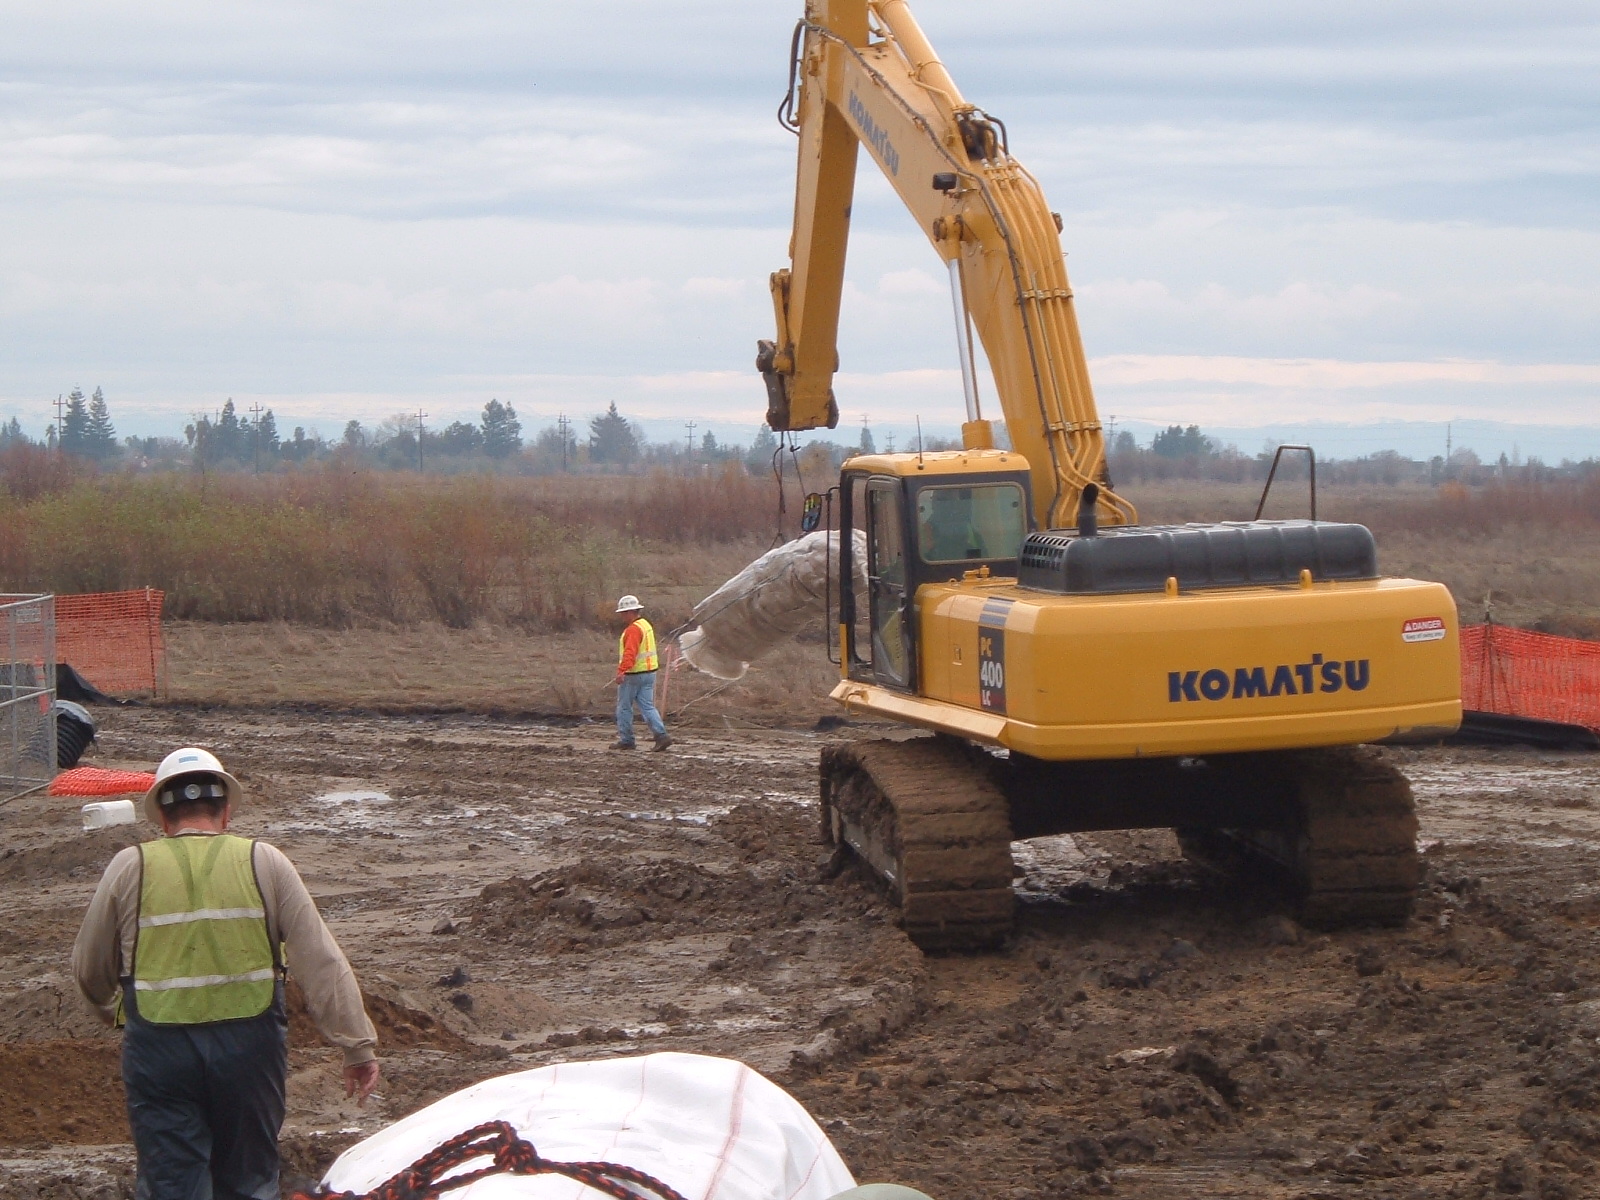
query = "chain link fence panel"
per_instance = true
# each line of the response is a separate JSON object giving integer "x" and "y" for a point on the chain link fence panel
{"x": 27, "y": 693}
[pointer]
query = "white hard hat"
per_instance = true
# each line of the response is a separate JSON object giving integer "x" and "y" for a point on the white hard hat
{"x": 191, "y": 760}
{"x": 629, "y": 604}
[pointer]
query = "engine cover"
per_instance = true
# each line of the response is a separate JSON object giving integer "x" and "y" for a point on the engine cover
{"x": 1141, "y": 558}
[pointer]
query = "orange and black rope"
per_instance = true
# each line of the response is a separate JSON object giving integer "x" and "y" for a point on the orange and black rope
{"x": 426, "y": 1179}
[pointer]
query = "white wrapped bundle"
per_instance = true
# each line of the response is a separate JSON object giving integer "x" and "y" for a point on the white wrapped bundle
{"x": 709, "y": 1128}
{"x": 768, "y": 602}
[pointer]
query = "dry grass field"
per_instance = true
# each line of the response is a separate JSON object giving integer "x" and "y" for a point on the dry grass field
{"x": 343, "y": 549}
{"x": 492, "y": 594}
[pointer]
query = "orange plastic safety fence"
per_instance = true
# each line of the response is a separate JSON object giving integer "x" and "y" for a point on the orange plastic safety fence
{"x": 113, "y": 639}
{"x": 100, "y": 781}
{"x": 1526, "y": 674}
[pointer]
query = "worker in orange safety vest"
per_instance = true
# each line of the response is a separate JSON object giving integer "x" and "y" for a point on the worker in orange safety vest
{"x": 637, "y": 663}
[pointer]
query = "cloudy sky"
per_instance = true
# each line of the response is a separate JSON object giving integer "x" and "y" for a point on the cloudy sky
{"x": 1361, "y": 213}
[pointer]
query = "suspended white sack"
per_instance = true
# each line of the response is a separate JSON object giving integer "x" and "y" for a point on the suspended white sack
{"x": 767, "y": 603}
{"x": 709, "y": 1128}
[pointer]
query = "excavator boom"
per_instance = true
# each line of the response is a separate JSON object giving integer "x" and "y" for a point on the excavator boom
{"x": 866, "y": 75}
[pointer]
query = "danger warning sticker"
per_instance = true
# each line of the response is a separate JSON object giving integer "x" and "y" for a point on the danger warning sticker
{"x": 1423, "y": 629}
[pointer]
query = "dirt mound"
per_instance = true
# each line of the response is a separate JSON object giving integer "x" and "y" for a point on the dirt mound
{"x": 74, "y": 1091}
{"x": 398, "y": 1026}
{"x": 72, "y": 1094}
{"x": 759, "y": 830}
{"x": 608, "y": 902}
{"x": 71, "y": 858}
{"x": 611, "y": 903}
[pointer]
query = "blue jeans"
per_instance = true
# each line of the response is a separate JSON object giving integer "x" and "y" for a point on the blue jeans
{"x": 639, "y": 688}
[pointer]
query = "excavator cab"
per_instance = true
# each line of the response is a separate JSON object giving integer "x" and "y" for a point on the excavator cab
{"x": 926, "y": 518}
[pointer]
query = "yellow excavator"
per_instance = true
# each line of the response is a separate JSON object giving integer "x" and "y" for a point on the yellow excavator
{"x": 1078, "y": 671}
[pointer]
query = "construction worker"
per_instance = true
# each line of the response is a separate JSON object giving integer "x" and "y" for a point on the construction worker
{"x": 637, "y": 663}
{"x": 184, "y": 943}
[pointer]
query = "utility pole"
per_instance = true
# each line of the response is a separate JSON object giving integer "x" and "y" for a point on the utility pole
{"x": 563, "y": 425}
{"x": 420, "y": 415}
{"x": 61, "y": 407}
{"x": 1111, "y": 437}
{"x": 255, "y": 430}
{"x": 1448, "y": 434}
{"x": 689, "y": 425}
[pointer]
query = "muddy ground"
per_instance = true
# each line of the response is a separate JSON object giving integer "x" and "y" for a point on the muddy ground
{"x": 513, "y": 894}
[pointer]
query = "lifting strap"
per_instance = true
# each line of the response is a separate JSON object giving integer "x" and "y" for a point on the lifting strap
{"x": 512, "y": 1155}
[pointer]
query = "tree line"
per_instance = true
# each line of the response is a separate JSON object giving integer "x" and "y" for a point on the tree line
{"x": 228, "y": 440}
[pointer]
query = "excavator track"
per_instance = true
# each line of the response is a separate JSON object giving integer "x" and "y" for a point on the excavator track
{"x": 928, "y": 819}
{"x": 1346, "y": 846}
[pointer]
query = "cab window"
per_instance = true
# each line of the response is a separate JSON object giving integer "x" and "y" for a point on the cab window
{"x": 888, "y": 545}
{"x": 970, "y": 524}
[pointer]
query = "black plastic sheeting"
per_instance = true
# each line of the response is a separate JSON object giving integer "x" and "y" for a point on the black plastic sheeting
{"x": 71, "y": 685}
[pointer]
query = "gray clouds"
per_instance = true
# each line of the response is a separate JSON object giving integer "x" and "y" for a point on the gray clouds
{"x": 355, "y": 206}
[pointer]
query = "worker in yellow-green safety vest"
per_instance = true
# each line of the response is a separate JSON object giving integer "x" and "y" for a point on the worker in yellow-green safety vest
{"x": 637, "y": 664}
{"x": 186, "y": 943}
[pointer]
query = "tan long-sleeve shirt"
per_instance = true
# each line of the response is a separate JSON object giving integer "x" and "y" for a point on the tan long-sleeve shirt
{"x": 103, "y": 953}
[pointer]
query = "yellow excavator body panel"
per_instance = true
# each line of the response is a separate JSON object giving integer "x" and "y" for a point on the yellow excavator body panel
{"x": 911, "y": 465}
{"x": 1179, "y": 673}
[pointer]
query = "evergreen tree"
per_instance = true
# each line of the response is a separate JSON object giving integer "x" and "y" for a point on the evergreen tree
{"x": 100, "y": 436}
{"x": 457, "y": 438}
{"x": 708, "y": 445}
{"x": 11, "y": 434}
{"x": 761, "y": 450}
{"x": 202, "y": 435}
{"x": 502, "y": 432}
{"x": 867, "y": 445}
{"x": 267, "y": 432}
{"x": 75, "y": 424}
{"x": 1176, "y": 441}
{"x": 300, "y": 448}
{"x": 611, "y": 438}
{"x": 228, "y": 437}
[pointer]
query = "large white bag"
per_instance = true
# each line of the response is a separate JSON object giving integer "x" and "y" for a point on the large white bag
{"x": 710, "y": 1128}
{"x": 768, "y": 602}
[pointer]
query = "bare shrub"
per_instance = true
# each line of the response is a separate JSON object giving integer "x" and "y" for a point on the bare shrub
{"x": 333, "y": 547}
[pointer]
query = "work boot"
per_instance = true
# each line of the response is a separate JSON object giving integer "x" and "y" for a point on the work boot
{"x": 663, "y": 741}
{"x": 619, "y": 744}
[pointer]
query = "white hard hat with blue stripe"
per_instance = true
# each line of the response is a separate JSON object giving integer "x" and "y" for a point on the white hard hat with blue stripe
{"x": 191, "y": 760}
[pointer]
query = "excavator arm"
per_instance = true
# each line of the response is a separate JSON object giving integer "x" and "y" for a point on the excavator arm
{"x": 866, "y": 75}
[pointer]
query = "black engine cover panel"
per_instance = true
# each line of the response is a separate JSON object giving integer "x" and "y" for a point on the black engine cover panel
{"x": 1141, "y": 558}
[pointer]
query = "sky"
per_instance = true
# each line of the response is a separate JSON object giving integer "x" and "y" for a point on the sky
{"x": 1355, "y": 221}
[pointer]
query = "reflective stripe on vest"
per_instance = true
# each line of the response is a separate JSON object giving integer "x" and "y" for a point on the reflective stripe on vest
{"x": 646, "y": 659}
{"x": 203, "y": 953}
